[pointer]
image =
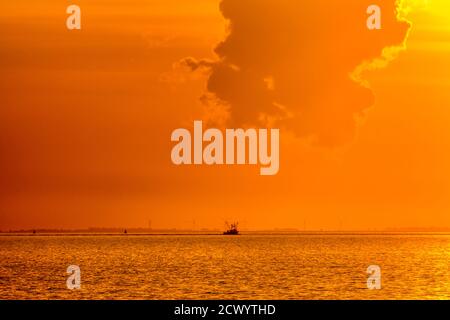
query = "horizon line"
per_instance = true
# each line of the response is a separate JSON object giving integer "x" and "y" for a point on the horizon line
{"x": 140, "y": 230}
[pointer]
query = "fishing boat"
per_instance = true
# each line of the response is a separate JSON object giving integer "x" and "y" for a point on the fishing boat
{"x": 232, "y": 230}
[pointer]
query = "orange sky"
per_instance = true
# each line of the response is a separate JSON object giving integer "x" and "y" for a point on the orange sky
{"x": 86, "y": 116}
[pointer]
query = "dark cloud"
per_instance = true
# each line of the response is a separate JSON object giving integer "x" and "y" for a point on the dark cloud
{"x": 291, "y": 63}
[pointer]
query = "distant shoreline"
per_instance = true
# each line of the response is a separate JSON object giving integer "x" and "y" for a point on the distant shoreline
{"x": 219, "y": 233}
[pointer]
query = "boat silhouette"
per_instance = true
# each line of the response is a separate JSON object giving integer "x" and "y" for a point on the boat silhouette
{"x": 232, "y": 229}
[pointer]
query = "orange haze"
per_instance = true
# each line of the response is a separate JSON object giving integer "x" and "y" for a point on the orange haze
{"x": 86, "y": 115}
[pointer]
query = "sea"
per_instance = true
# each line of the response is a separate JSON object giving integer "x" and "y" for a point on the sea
{"x": 212, "y": 266}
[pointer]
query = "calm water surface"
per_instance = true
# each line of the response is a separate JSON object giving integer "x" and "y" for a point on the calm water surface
{"x": 221, "y": 267}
